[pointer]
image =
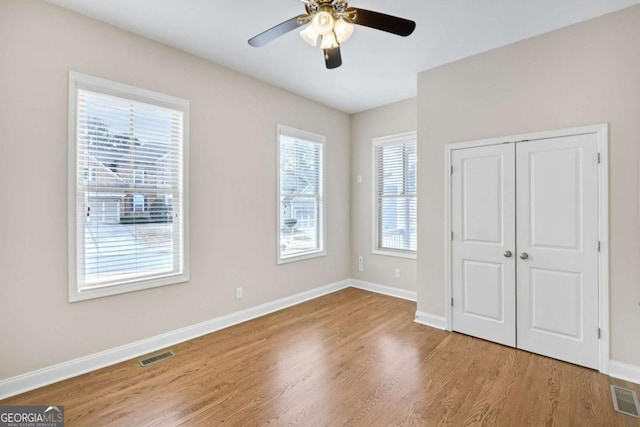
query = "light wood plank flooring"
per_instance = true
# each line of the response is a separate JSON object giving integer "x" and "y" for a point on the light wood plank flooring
{"x": 349, "y": 358}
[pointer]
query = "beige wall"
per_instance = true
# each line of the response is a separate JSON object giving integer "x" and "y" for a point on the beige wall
{"x": 585, "y": 74}
{"x": 581, "y": 75}
{"x": 387, "y": 120}
{"x": 233, "y": 188}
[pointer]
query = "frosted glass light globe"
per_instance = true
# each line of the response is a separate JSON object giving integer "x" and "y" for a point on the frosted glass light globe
{"x": 343, "y": 30}
{"x": 329, "y": 41}
{"x": 309, "y": 35}
{"x": 322, "y": 23}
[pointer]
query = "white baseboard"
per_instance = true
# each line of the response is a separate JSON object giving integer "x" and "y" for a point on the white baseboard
{"x": 624, "y": 371}
{"x": 52, "y": 374}
{"x": 432, "y": 320}
{"x": 384, "y": 290}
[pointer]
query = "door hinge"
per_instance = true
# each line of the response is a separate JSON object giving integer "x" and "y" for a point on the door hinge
{"x": 451, "y": 301}
{"x": 598, "y": 158}
{"x": 452, "y": 236}
{"x": 599, "y": 333}
{"x": 451, "y": 169}
{"x": 598, "y": 245}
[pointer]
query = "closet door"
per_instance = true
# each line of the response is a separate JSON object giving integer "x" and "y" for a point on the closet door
{"x": 483, "y": 246}
{"x": 557, "y": 235}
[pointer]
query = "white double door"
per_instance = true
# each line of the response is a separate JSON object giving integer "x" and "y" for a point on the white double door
{"x": 525, "y": 246}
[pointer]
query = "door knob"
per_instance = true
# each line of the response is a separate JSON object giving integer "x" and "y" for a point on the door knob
{"x": 507, "y": 254}
{"x": 524, "y": 255}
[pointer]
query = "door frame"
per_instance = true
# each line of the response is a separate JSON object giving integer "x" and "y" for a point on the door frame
{"x": 602, "y": 133}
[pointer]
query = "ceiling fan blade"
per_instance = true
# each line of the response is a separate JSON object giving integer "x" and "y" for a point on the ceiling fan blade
{"x": 380, "y": 21}
{"x": 332, "y": 58}
{"x": 277, "y": 31}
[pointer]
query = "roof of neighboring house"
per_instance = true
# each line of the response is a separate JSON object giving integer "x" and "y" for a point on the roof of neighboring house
{"x": 293, "y": 184}
{"x": 118, "y": 147}
{"x": 112, "y": 152}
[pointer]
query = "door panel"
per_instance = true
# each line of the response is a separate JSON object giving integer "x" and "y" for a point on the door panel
{"x": 483, "y": 290}
{"x": 555, "y": 304}
{"x": 482, "y": 216}
{"x": 483, "y": 225}
{"x": 556, "y": 217}
{"x": 557, "y": 227}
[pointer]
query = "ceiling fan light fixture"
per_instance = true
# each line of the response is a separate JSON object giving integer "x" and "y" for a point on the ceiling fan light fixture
{"x": 322, "y": 22}
{"x": 310, "y": 35}
{"x": 333, "y": 22}
{"x": 343, "y": 30}
{"x": 329, "y": 41}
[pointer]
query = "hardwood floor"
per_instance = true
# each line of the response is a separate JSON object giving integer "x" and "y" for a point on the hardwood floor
{"x": 349, "y": 358}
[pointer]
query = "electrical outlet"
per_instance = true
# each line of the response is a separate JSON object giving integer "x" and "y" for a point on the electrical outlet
{"x": 360, "y": 259}
{"x": 238, "y": 293}
{"x": 359, "y": 179}
{"x": 360, "y": 267}
{"x": 397, "y": 273}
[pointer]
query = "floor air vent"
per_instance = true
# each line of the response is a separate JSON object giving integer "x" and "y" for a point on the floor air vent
{"x": 157, "y": 358}
{"x": 625, "y": 401}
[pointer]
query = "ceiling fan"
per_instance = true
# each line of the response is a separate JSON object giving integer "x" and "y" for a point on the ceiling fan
{"x": 332, "y": 21}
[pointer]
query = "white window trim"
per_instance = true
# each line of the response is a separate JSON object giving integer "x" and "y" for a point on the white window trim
{"x": 312, "y": 137}
{"x": 83, "y": 81}
{"x": 386, "y": 140}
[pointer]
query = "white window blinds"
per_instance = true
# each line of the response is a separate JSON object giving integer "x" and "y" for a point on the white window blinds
{"x": 300, "y": 194}
{"x": 129, "y": 195}
{"x": 396, "y": 201}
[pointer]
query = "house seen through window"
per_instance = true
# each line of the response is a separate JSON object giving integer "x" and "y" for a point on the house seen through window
{"x": 300, "y": 177}
{"x": 129, "y": 210}
{"x": 395, "y": 194}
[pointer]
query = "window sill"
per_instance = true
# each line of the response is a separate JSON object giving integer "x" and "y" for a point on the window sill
{"x": 88, "y": 293}
{"x": 302, "y": 257}
{"x": 396, "y": 254}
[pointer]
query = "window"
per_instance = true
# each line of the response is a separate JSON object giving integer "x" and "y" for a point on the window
{"x": 300, "y": 195}
{"x": 395, "y": 195}
{"x": 138, "y": 203}
{"x": 138, "y": 176}
{"x": 126, "y": 232}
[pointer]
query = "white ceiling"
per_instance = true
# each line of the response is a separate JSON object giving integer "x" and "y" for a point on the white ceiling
{"x": 378, "y": 68}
